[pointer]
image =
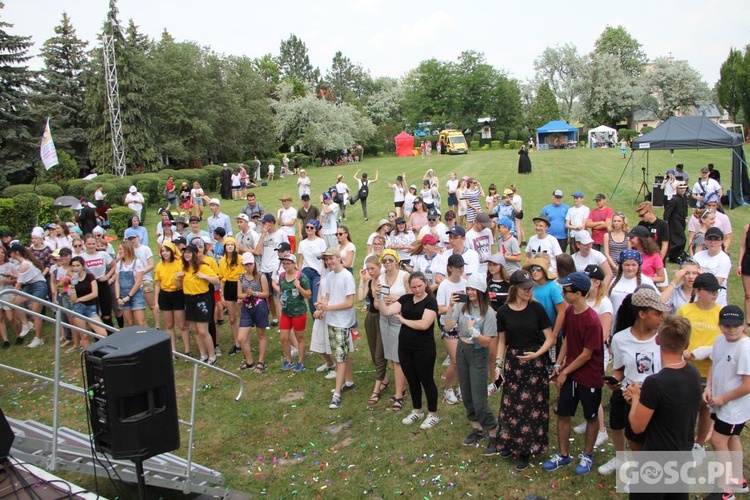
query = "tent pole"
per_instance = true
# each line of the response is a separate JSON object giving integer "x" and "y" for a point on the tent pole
{"x": 614, "y": 191}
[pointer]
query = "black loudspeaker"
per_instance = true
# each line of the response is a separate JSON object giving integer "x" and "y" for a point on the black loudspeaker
{"x": 657, "y": 196}
{"x": 131, "y": 391}
{"x": 6, "y": 437}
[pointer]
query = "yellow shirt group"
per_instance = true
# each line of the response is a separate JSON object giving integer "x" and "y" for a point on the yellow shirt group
{"x": 704, "y": 328}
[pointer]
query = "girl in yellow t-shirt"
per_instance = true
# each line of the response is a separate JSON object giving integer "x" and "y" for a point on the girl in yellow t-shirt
{"x": 230, "y": 268}
{"x": 170, "y": 298}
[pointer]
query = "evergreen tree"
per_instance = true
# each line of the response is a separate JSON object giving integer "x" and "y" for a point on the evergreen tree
{"x": 731, "y": 88}
{"x": 61, "y": 93}
{"x": 294, "y": 62}
{"x": 544, "y": 108}
{"x": 17, "y": 131}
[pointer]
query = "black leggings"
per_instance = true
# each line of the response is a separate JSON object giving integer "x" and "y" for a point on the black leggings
{"x": 105, "y": 301}
{"x": 419, "y": 367}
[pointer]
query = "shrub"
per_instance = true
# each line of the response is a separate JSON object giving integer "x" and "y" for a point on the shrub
{"x": 12, "y": 191}
{"x": 46, "y": 209}
{"x": 118, "y": 219}
{"x": 6, "y": 212}
{"x": 494, "y": 145}
{"x": 500, "y": 136}
{"x": 475, "y": 138}
{"x": 26, "y": 208}
{"x": 506, "y": 146}
{"x": 76, "y": 187}
{"x": 474, "y": 145}
{"x": 646, "y": 129}
{"x": 486, "y": 147}
{"x": 107, "y": 188}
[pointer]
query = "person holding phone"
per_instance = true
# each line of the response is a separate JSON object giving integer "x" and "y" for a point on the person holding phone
{"x": 451, "y": 291}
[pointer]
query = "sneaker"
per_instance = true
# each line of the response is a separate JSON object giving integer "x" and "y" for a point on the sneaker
{"x": 25, "y": 329}
{"x": 458, "y": 395}
{"x": 585, "y": 465}
{"x": 609, "y": 467}
{"x": 492, "y": 448}
{"x": 275, "y": 322}
{"x": 204, "y": 359}
{"x": 741, "y": 487}
{"x": 412, "y": 417}
{"x": 298, "y": 367}
{"x": 288, "y": 365}
{"x": 447, "y": 361}
{"x": 324, "y": 368}
{"x": 348, "y": 387}
{"x": 506, "y": 453}
{"x": 580, "y": 428}
{"x": 430, "y": 422}
{"x": 450, "y": 397}
{"x": 35, "y": 343}
{"x": 217, "y": 350}
{"x": 601, "y": 438}
{"x": 6, "y": 344}
{"x": 234, "y": 350}
{"x": 294, "y": 352}
{"x": 492, "y": 389}
{"x": 335, "y": 402}
{"x": 331, "y": 374}
{"x": 523, "y": 461}
{"x": 473, "y": 438}
{"x": 213, "y": 361}
{"x": 699, "y": 454}
{"x": 555, "y": 462}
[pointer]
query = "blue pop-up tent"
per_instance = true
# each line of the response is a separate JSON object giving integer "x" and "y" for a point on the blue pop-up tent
{"x": 556, "y": 134}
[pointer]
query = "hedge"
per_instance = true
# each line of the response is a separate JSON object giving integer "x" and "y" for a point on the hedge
{"x": 50, "y": 190}
{"x": 118, "y": 219}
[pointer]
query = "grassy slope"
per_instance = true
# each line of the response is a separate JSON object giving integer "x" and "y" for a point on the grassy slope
{"x": 282, "y": 440}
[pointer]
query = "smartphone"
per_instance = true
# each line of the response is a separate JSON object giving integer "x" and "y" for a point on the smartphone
{"x": 610, "y": 380}
{"x": 385, "y": 290}
{"x": 462, "y": 297}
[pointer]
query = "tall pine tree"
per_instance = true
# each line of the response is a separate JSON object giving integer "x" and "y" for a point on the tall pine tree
{"x": 17, "y": 142}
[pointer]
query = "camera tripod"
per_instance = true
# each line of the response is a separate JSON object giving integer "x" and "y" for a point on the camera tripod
{"x": 644, "y": 187}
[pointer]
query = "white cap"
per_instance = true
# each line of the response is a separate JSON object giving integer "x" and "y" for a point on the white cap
{"x": 214, "y": 201}
{"x": 584, "y": 237}
{"x": 224, "y": 165}
{"x": 243, "y": 217}
{"x": 133, "y": 189}
{"x": 98, "y": 230}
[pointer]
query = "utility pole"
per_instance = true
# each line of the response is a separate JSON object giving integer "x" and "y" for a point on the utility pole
{"x": 113, "y": 101}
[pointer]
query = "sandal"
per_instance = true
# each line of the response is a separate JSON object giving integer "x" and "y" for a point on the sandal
{"x": 374, "y": 398}
{"x": 260, "y": 367}
{"x": 384, "y": 386}
{"x": 246, "y": 366}
{"x": 398, "y": 404}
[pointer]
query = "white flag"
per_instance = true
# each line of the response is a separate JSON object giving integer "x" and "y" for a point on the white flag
{"x": 47, "y": 149}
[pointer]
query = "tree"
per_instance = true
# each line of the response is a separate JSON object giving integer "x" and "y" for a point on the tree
{"x": 674, "y": 85}
{"x": 61, "y": 92}
{"x": 544, "y": 107}
{"x": 268, "y": 68}
{"x": 294, "y": 62}
{"x": 732, "y": 83}
{"x": 618, "y": 42}
{"x": 607, "y": 93}
{"x": 347, "y": 81}
{"x": 17, "y": 143}
{"x": 431, "y": 93}
{"x": 385, "y": 102}
{"x": 316, "y": 125}
{"x": 559, "y": 66}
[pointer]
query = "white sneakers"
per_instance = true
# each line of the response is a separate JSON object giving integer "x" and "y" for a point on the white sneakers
{"x": 609, "y": 467}
{"x": 324, "y": 368}
{"x": 447, "y": 361}
{"x": 412, "y": 417}
{"x": 331, "y": 374}
{"x": 699, "y": 454}
{"x": 35, "y": 343}
{"x": 450, "y": 397}
{"x": 601, "y": 438}
{"x": 580, "y": 428}
{"x": 26, "y": 328}
{"x": 429, "y": 422}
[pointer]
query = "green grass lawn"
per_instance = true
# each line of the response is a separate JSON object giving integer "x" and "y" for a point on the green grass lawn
{"x": 281, "y": 440}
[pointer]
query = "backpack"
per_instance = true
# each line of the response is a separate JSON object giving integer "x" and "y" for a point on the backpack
{"x": 364, "y": 191}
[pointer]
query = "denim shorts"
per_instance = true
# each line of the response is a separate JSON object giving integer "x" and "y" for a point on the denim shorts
{"x": 136, "y": 303}
{"x": 38, "y": 289}
{"x": 85, "y": 310}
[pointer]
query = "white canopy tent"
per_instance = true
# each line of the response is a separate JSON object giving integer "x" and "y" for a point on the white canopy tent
{"x": 603, "y": 137}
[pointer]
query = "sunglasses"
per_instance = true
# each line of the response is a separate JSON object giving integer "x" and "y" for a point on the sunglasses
{"x": 536, "y": 269}
{"x": 391, "y": 216}
{"x": 77, "y": 246}
{"x": 389, "y": 261}
{"x": 341, "y": 234}
{"x": 641, "y": 216}
{"x": 309, "y": 227}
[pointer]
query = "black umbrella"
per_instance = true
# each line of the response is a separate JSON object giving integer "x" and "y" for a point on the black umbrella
{"x": 66, "y": 201}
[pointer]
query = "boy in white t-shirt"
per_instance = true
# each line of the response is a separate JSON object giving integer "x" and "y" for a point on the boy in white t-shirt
{"x": 575, "y": 219}
{"x": 728, "y": 388}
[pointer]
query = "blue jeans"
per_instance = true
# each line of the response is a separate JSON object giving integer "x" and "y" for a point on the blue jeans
{"x": 314, "y": 279}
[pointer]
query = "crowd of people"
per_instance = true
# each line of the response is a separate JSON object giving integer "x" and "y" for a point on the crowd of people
{"x": 583, "y": 295}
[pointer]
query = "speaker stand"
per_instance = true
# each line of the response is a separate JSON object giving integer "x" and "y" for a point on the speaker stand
{"x": 644, "y": 187}
{"x": 141, "y": 479}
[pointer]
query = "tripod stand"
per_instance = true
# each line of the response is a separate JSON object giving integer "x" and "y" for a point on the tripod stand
{"x": 644, "y": 187}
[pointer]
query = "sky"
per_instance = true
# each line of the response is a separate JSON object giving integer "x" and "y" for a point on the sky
{"x": 389, "y": 38}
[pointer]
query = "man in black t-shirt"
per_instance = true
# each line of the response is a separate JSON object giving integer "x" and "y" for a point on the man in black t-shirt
{"x": 658, "y": 228}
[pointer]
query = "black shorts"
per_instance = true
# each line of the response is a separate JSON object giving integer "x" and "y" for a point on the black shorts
{"x": 571, "y": 393}
{"x": 230, "y": 291}
{"x": 171, "y": 301}
{"x": 619, "y": 410}
{"x": 398, "y": 204}
{"x": 726, "y": 429}
{"x": 198, "y": 307}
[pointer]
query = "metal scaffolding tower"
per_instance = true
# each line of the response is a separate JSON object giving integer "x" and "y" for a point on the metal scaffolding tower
{"x": 113, "y": 100}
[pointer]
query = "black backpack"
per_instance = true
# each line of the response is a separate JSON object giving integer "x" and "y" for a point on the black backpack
{"x": 364, "y": 191}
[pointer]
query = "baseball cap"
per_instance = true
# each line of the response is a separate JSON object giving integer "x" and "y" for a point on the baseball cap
{"x": 268, "y": 218}
{"x": 214, "y": 201}
{"x": 639, "y": 231}
{"x": 432, "y": 214}
{"x": 426, "y": 182}
{"x": 429, "y": 239}
{"x": 400, "y": 220}
{"x": 557, "y": 193}
{"x": 707, "y": 281}
{"x": 671, "y": 171}
{"x": 413, "y": 186}
{"x": 180, "y": 240}
{"x": 578, "y": 281}
{"x": 65, "y": 251}
{"x": 284, "y": 247}
{"x": 450, "y": 215}
{"x": 478, "y": 282}
{"x": 332, "y": 252}
{"x": 704, "y": 170}
{"x": 714, "y": 232}
{"x": 130, "y": 233}
{"x": 456, "y": 260}
{"x": 166, "y": 223}
{"x": 578, "y": 194}
{"x": 731, "y": 315}
{"x": 594, "y": 272}
{"x": 648, "y": 297}
{"x": 522, "y": 279}
{"x": 507, "y": 192}
{"x": 248, "y": 257}
{"x": 243, "y": 217}
{"x": 289, "y": 257}
{"x": 483, "y": 219}
{"x": 326, "y": 196}
{"x": 505, "y": 221}
{"x": 584, "y": 238}
{"x": 194, "y": 218}
{"x": 457, "y": 231}
{"x": 496, "y": 258}
{"x": 600, "y": 196}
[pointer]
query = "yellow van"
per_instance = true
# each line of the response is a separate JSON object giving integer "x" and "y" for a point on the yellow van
{"x": 454, "y": 142}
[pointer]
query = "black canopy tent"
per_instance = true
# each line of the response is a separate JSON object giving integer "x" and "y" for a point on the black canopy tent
{"x": 698, "y": 132}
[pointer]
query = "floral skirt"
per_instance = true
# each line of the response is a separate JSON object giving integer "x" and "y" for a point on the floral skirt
{"x": 524, "y": 409}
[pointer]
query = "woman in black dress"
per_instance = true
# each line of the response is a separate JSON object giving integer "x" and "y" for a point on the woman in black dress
{"x": 524, "y": 339}
{"x": 524, "y": 162}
